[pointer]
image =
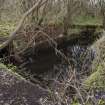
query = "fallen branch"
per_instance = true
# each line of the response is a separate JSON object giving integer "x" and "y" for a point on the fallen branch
{"x": 13, "y": 34}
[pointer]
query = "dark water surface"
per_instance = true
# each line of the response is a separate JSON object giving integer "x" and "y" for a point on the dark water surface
{"x": 80, "y": 57}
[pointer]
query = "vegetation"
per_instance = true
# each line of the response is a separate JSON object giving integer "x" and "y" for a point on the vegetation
{"x": 85, "y": 20}
{"x": 6, "y": 28}
{"x": 34, "y": 27}
{"x": 10, "y": 68}
{"x": 96, "y": 80}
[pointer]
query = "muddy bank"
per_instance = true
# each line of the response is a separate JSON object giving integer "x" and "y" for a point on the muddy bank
{"x": 23, "y": 92}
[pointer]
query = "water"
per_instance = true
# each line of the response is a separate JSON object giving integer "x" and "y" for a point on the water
{"x": 50, "y": 65}
{"x": 80, "y": 57}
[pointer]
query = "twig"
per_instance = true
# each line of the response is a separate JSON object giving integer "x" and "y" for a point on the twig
{"x": 13, "y": 34}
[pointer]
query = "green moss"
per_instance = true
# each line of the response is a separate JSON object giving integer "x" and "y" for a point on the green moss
{"x": 101, "y": 102}
{"x": 2, "y": 66}
{"x": 11, "y": 69}
{"x": 6, "y": 28}
{"x": 96, "y": 79}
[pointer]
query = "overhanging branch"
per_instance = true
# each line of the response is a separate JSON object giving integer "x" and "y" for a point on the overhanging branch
{"x": 13, "y": 34}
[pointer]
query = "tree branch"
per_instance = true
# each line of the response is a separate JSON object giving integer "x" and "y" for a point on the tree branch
{"x": 13, "y": 34}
